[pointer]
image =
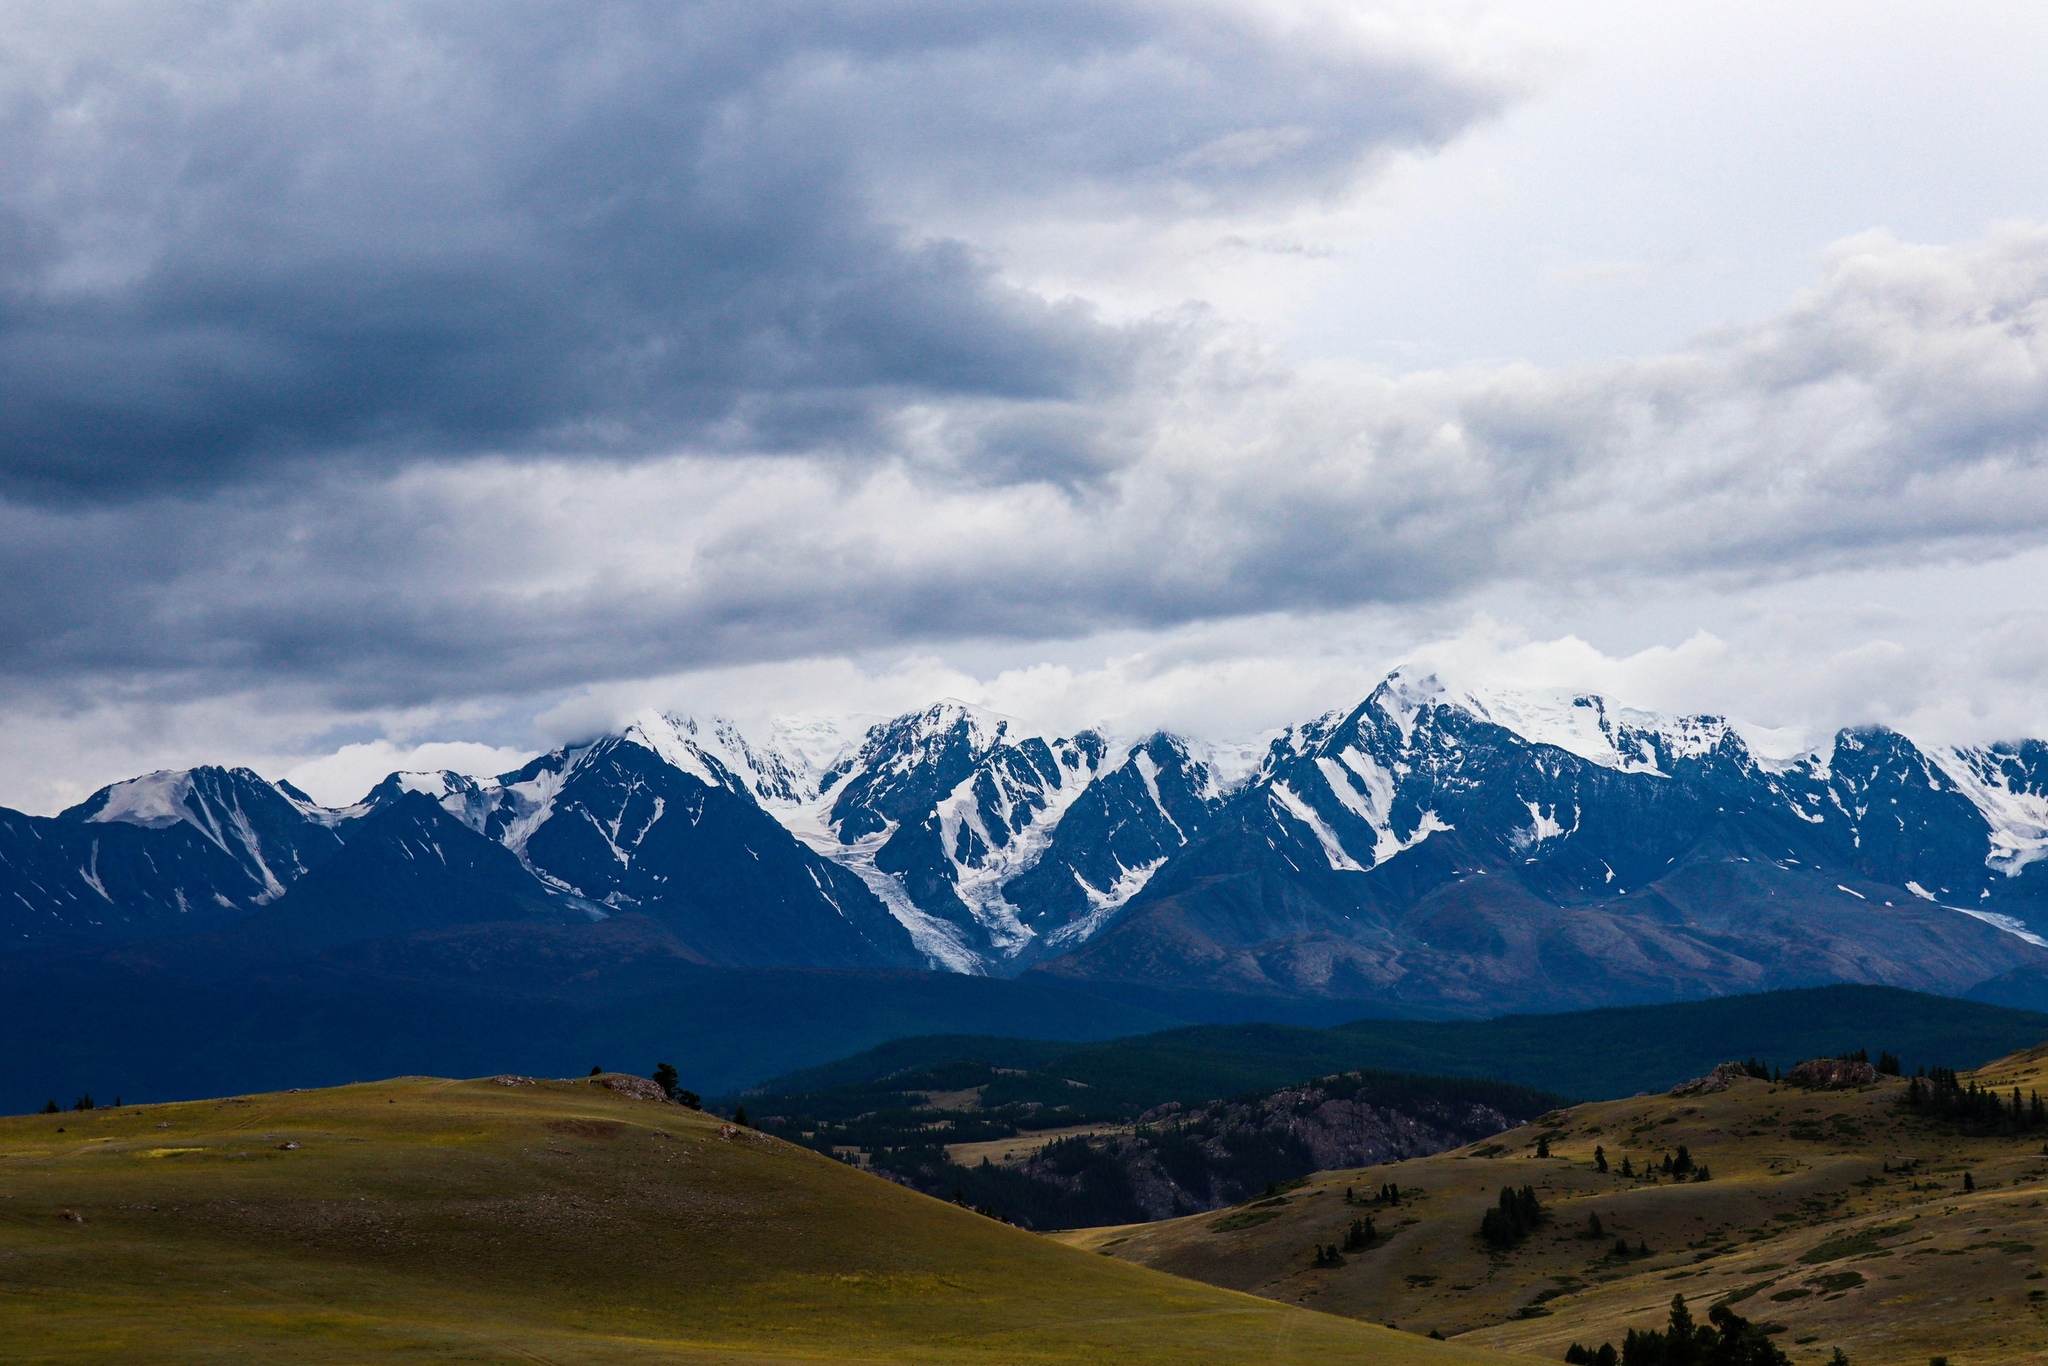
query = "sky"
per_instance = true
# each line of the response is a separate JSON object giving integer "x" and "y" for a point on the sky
{"x": 423, "y": 385}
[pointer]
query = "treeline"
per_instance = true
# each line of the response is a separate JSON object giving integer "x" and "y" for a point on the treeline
{"x": 1938, "y": 1094}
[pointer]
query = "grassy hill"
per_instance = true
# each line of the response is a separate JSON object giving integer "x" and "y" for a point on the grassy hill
{"x": 1836, "y": 1217}
{"x": 556, "y": 1222}
{"x": 1583, "y": 1054}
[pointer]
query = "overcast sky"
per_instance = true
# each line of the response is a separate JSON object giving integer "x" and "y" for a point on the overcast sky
{"x": 422, "y": 385}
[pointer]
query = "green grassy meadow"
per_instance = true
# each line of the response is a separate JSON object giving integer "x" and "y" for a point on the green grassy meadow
{"x": 433, "y": 1220}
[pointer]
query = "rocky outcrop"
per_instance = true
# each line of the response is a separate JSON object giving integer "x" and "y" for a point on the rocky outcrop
{"x": 632, "y": 1087}
{"x": 1831, "y": 1074}
{"x": 1720, "y": 1079}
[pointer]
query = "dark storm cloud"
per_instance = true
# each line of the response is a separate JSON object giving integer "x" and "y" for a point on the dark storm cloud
{"x": 238, "y": 235}
{"x": 1896, "y": 414}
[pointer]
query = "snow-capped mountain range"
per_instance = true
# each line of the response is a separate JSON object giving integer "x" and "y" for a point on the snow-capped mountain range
{"x": 1438, "y": 847}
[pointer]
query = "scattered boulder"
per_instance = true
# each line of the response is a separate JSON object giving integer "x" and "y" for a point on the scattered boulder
{"x": 1831, "y": 1074}
{"x": 289, "y": 1147}
{"x": 509, "y": 1080}
{"x": 72, "y": 1216}
{"x": 1720, "y": 1079}
{"x": 632, "y": 1087}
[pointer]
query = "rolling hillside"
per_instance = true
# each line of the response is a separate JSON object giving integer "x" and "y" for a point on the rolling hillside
{"x": 555, "y": 1222}
{"x": 1836, "y": 1218}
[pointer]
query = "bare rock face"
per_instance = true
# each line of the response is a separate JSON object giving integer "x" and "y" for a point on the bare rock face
{"x": 1831, "y": 1074}
{"x": 1184, "y": 1160}
{"x": 632, "y": 1087}
{"x": 1720, "y": 1079}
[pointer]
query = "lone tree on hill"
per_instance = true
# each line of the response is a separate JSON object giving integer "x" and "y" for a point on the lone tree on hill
{"x": 667, "y": 1078}
{"x": 52, "y": 1107}
{"x": 1599, "y": 1158}
{"x": 1517, "y": 1215}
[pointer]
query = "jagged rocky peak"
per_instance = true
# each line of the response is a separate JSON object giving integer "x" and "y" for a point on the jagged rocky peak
{"x": 904, "y": 767}
{"x": 439, "y": 784}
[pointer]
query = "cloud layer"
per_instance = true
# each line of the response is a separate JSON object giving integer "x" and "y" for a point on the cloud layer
{"x": 447, "y": 363}
{"x": 1897, "y": 412}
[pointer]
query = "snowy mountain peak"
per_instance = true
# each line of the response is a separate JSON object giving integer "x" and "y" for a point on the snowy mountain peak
{"x": 1580, "y": 723}
{"x": 776, "y": 772}
{"x": 261, "y": 825}
{"x": 153, "y": 801}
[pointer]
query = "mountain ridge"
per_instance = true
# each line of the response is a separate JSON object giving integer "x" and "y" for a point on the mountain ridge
{"x": 1432, "y": 848}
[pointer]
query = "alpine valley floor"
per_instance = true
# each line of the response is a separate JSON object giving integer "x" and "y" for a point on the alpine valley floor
{"x": 1832, "y": 1216}
{"x": 424, "y": 1219}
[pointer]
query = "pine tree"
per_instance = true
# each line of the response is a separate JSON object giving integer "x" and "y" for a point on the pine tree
{"x": 1543, "y": 1145}
{"x": 596, "y": 1070}
{"x": 1969, "y": 1182}
{"x": 1599, "y": 1158}
{"x": 84, "y": 1102}
{"x": 739, "y": 1116}
{"x": 51, "y": 1108}
{"x": 1627, "y": 1167}
{"x": 1593, "y": 1228}
{"x": 667, "y": 1078}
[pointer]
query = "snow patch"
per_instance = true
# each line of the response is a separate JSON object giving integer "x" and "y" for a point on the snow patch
{"x": 2012, "y": 925}
{"x": 154, "y": 801}
{"x": 2018, "y": 819}
{"x": 1291, "y": 803}
{"x": 1102, "y": 905}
